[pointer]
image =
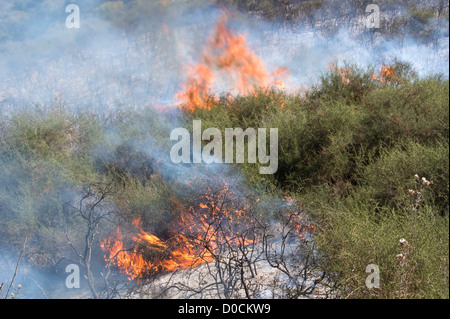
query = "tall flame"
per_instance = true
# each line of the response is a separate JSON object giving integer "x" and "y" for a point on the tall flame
{"x": 226, "y": 54}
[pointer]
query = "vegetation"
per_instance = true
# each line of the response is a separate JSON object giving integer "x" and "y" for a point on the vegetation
{"x": 48, "y": 160}
{"x": 349, "y": 152}
{"x": 364, "y": 153}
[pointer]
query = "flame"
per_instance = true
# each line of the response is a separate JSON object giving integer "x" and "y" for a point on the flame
{"x": 387, "y": 74}
{"x": 343, "y": 72}
{"x": 197, "y": 88}
{"x": 175, "y": 253}
{"x": 129, "y": 262}
{"x": 199, "y": 234}
{"x": 226, "y": 53}
{"x": 202, "y": 232}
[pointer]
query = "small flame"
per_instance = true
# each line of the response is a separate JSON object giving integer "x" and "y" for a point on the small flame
{"x": 387, "y": 74}
{"x": 343, "y": 72}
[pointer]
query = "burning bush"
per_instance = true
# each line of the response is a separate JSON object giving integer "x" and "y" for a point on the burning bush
{"x": 228, "y": 56}
{"x": 211, "y": 221}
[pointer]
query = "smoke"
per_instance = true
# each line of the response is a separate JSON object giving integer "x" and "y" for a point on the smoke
{"x": 103, "y": 66}
{"x": 137, "y": 62}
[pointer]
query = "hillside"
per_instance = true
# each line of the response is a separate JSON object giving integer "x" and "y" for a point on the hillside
{"x": 88, "y": 177}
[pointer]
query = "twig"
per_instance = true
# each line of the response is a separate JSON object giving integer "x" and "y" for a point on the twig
{"x": 17, "y": 267}
{"x": 40, "y": 288}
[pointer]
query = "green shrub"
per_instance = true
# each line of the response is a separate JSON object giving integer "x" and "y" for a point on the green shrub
{"x": 349, "y": 149}
{"x": 386, "y": 180}
{"x": 352, "y": 239}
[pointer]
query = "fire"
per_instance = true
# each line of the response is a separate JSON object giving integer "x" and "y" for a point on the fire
{"x": 218, "y": 222}
{"x": 170, "y": 255}
{"x": 387, "y": 74}
{"x": 226, "y": 54}
{"x": 129, "y": 262}
{"x": 343, "y": 72}
{"x": 200, "y": 233}
{"x": 197, "y": 88}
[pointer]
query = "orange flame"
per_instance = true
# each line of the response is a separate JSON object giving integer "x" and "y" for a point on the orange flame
{"x": 175, "y": 253}
{"x": 129, "y": 262}
{"x": 343, "y": 72}
{"x": 199, "y": 234}
{"x": 202, "y": 232}
{"x": 225, "y": 53}
{"x": 387, "y": 74}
